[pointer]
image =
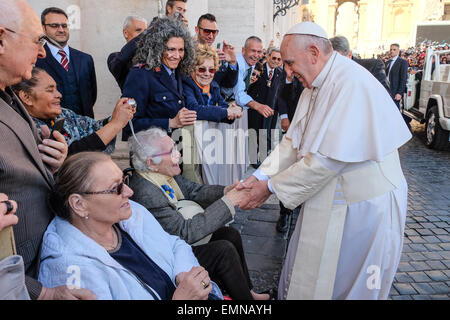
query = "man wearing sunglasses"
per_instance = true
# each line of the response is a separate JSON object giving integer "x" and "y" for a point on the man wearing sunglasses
{"x": 73, "y": 70}
{"x": 206, "y": 30}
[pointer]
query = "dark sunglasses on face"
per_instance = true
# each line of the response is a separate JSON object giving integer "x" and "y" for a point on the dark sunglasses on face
{"x": 116, "y": 190}
{"x": 276, "y": 59}
{"x": 254, "y": 74}
{"x": 203, "y": 70}
{"x": 209, "y": 31}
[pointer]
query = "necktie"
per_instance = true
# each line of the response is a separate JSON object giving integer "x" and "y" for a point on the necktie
{"x": 388, "y": 67}
{"x": 247, "y": 78}
{"x": 64, "y": 61}
{"x": 270, "y": 74}
{"x": 174, "y": 80}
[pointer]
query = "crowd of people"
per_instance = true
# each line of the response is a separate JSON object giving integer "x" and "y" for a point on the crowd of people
{"x": 83, "y": 229}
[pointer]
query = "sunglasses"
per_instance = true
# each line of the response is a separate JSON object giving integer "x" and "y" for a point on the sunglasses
{"x": 254, "y": 74}
{"x": 116, "y": 190}
{"x": 276, "y": 59}
{"x": 209, "y": 31}
{"x": 203, "y": 70}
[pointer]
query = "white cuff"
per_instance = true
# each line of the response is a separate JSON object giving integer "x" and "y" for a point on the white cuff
{"x": 283, "y": 116}
{"x": 260, "y": 175}
{"x": 270, "y": 186}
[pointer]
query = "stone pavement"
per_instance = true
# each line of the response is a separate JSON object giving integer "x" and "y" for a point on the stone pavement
{"x": 424, "y": 270}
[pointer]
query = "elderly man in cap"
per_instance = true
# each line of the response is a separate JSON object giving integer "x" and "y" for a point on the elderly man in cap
{"x": 339, "y": 158}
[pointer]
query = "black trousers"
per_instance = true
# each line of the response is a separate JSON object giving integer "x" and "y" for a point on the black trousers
{"x": 223, "y": 258}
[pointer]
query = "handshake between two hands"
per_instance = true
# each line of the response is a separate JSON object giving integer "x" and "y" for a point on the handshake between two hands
{"x": 248, "y": 194}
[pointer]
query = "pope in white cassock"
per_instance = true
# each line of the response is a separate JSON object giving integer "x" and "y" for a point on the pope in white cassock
{"x": 339, "y": 159}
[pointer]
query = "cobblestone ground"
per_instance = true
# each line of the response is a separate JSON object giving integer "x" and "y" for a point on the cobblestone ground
{"x": 424, "y": 270}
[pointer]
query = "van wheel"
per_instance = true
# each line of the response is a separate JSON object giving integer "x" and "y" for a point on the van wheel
{"x": 437, "y": 138}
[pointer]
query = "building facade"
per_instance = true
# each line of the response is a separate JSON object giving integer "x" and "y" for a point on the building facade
{"x": 372, "y": 25}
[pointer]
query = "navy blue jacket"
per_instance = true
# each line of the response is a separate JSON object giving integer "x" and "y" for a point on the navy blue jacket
{"x": 212, "y": 109}
{"x": 157, "y": 99}
{"x": 85, "y": 73}
{"x": 226, "y": 77}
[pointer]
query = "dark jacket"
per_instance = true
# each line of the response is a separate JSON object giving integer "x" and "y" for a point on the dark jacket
{"x": 195, "y": 99}
{"x": 226, "y": 77}
{"x": 398, "y": 76}
{"x": 157, "y": 99}
{"x": 83, "y": 65}
{"x": 261, "y": 92}
{"x": 120, "y": 63}
{"x": 288, "y": 96}
{"x": 376, "y": 68}
{"x": 216, "y": 215}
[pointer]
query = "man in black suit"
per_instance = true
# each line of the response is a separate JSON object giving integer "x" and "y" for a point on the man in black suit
{"x": 374, "y": 66}
{"x": 120, "y": 63}
{"x": 72, "y": 70}
{"x": 265, "y": 91}
{"x": 397, "y": 73}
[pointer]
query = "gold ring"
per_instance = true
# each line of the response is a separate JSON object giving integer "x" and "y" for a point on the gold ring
{"x": 204, "y": 284}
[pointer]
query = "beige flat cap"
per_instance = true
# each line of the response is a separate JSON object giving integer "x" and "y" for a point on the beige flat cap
{"x": 308, "y": 28}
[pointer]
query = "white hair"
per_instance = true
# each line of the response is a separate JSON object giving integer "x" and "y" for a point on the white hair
{"x": 11, "y": 15}
{"x": 128, "y": 20}
{"x": 145, "y": 147}
{"x": 305, "y": 41}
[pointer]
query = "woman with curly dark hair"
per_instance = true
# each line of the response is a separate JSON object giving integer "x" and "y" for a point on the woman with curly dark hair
{"x": 165, "y": 54}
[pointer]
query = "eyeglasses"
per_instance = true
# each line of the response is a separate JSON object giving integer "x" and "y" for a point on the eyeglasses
{"x": 254, "y": 74}
{"x": 116, "y": 190}
{"x": 173, "y": 152}
{"x": 209, "y": 31}
{"x": 276, "y": 59}
{"x": 42, "y": 40}
{"x": 203, "y": 70}
{"x": 56, "y": 25}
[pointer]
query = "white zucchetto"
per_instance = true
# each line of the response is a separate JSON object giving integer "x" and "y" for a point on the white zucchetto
{"x": 308, "y": 28}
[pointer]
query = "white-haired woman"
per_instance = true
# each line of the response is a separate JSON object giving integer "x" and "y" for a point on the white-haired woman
{"x": 196, "y": 213}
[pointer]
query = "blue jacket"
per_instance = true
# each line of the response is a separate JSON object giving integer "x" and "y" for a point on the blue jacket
{"x": 68, "y": 253}
{"x": 84, "y": 71}
{"x": 211, "y": 109}
{"x": 157, "y": 100}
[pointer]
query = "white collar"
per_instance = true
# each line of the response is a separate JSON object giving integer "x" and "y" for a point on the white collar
{"x": 319, "y": 80}
{"x": 55, "y": 51}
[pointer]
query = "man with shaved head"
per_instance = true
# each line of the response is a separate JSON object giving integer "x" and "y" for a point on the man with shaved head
{"x": 27, "y": 161}
{"x": 339, "y": 159}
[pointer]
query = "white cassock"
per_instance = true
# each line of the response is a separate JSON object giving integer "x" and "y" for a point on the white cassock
{"x": 339, "y": 158}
